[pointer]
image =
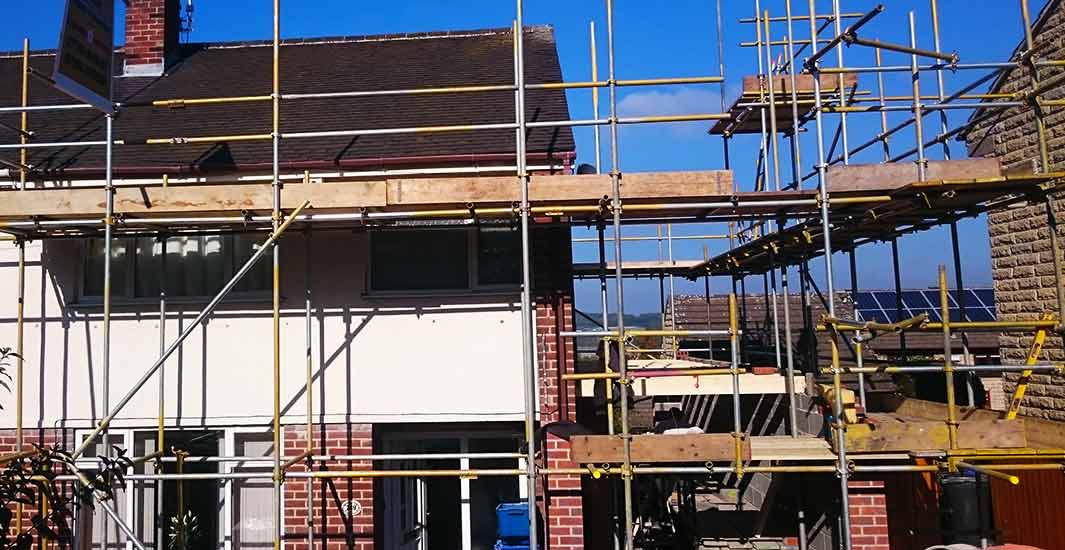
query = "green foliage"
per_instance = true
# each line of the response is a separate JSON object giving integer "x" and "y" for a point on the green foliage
{"x": 27, "y": 479}
{"x": 184, "y": 532}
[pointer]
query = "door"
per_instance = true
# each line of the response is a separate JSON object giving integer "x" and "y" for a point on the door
{"x": 414, "y": 515}
{"x": 406, "y": 510}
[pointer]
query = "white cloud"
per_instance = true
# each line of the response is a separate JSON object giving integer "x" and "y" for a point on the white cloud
{"x": 684, "y": 100}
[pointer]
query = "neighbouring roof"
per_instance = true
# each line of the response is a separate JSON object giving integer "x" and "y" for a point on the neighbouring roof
{"x": 336, "y": 64}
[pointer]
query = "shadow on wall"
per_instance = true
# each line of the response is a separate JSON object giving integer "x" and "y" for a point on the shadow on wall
{"x": 67, "y": 322}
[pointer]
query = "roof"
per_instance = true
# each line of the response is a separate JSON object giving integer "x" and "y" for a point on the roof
{"x": 337, "y": 64}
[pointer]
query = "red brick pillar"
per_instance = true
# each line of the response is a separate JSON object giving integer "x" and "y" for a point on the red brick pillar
{"x": 869, "y": 514}
{"x": 562, "y": 513}
{"x": 335, "y": 499}
{"x": 563, "y": 519}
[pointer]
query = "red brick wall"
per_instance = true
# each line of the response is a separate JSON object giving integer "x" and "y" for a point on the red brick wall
{"x": 562, "y": 514}
{"x": 152, "y": 31}
{"x": 869, "y": 515}
{"x": 45, "y": 438}
{"x": 332, "y": 529}
{"x": 563, "y": 518}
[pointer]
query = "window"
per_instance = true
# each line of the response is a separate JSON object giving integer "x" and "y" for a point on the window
{"x": 194, "y": 266}
{"x": 445, "y": 259}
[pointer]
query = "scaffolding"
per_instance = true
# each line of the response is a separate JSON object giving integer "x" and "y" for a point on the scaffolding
{"x": 772, "y": 228}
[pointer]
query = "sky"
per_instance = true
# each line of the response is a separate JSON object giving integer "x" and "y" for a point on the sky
{"x": 654, "y": 39}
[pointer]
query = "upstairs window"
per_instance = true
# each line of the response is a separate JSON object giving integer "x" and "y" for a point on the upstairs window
{"x": 431, "y": 260}
{"x": 196, "y": 266}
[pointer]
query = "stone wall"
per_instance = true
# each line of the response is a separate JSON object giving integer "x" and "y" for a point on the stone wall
{"x": 1020, "y": 240}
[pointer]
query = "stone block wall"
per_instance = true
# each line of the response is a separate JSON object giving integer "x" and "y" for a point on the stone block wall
{"x": 1020, "y": 240}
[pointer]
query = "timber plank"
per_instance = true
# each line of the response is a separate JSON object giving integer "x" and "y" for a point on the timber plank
{"x": 656, "y": 448}
{"x": 215, "y": 198}
{"x": 804, "y": 84}
{"x": 929, "y": 435}
{"x": 869, "y": 177}
{"x": 558, "y": 188}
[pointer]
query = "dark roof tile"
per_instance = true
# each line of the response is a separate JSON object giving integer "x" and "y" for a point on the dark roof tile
{"x": 332, "y": 64}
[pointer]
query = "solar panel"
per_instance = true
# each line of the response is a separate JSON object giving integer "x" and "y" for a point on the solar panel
{"x": 880, "y": 305}
{"x": 864, "y": 300}
{"x": 986, "y": 295}
{"x": 877, "y": 315}
{"x": 917, "y": 299}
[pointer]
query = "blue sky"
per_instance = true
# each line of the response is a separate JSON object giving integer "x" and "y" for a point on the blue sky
{"x": 654, "y": 39}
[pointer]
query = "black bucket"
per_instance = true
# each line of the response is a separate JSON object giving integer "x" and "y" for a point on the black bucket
{"x": 966, "y": 509}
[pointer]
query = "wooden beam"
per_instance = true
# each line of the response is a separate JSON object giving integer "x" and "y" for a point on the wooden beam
{"x": 655, "y": 448}
{"x": 930, "y": 435}
{"x": 413, "y": 193}
{"x": 868, "y": 177}
{"x": 804, "y": 84}
{"x": 556, "y": 188}
{"x": 1040, "y": 432}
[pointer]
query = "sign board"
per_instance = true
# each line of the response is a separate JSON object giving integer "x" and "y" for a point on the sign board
{"x": 86, "y": 44}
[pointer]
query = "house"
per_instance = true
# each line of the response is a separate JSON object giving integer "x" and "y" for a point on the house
{"x": 411, "y": 330}
{"x": 1022, "y": 257}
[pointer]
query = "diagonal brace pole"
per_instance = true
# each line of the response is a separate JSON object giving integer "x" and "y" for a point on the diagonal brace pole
{"x": 268, "y": 245}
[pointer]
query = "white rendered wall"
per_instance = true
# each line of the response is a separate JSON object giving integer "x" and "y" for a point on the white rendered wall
{"x": 427, "y": 359}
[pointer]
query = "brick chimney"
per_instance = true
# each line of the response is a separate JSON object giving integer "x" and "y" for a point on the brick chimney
{"x": 153, "y": 29}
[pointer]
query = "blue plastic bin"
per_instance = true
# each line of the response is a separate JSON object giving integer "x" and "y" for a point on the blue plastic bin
{"x": 512, "y": 520}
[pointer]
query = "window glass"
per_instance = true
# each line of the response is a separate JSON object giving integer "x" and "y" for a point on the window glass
{"x": 244, "y": 246}
{"x": 94, "y": 268}
{"x": 195, "y": 266}
{"x": 498, "y": 256}
{"x": 105, "y": 532}
{"x": 253, "y": 516}
{"x": 419, "y": 260}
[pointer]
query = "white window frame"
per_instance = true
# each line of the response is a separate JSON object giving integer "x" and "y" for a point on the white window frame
{"x": 473, "y": 285}
{"x": 130, "y": 294}
{"x": 464, "y": 438}
{"x": 228, "y": 495}
{"x": 128, "y": 489}
{"x": 226, "y": 486}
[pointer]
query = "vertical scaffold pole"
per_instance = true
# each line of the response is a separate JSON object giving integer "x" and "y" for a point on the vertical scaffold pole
{"x": 826, "y": 228}
{"x": 595, "y": 104}
{"x": 858, "y": 359}
{"x": 838, "y": 25}
{"x": 20, "y": 362}
{"x": 948, "y": 362}
{"x": 1044, "y": 161}
{"x": 276, "y": 222}
{"x": 918, "y": 107}
{"x": 721, "y": 70}
{"x": 796, "y": 155}
{"x": 528, "y": 357}
{"x": 309, "y": 367}
{"x": 615, "y": 178}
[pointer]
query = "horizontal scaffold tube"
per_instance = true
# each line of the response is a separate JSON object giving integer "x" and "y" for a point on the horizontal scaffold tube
{"x": 462, "y": 89}
{"x": 594, "y": 471}
{"x": 651, "y": 373}
{"x": 1058, "y": 368}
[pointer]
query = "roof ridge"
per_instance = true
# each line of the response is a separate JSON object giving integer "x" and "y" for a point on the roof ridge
{"x": 320, "y": 40}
